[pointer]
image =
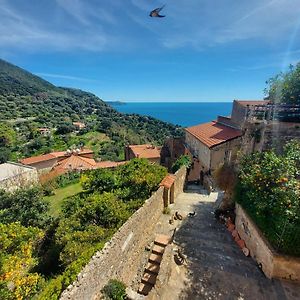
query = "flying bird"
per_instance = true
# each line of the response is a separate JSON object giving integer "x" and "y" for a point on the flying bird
{"x": 155, "y": 12}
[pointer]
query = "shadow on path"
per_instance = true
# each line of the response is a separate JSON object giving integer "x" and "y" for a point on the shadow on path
{"x": 217, "y": 268}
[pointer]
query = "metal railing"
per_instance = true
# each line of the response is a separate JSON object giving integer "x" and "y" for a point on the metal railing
{"x": 280, "y": 112}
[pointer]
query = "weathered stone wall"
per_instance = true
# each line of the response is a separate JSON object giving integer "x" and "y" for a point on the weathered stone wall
{"x": 273, "y": 264}
{"x": 198, "y": 149}
{"x": 179, "y": 181}
{"x": 219, "y": 156}
{"x": 227, "y": 121}
{"x": 262, "y": 135}
{"x": 122, "y": 255}
{"x": 25, "y": 176}
{"x": 238, "y": 113}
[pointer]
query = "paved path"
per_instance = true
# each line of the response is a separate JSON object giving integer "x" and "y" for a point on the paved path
{"x": 216, "y": 268}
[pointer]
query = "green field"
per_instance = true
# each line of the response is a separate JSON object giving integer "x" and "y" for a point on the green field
{"x": 61, "y": 194}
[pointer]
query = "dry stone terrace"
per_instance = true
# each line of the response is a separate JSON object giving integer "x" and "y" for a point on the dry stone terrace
{"x": 216, "y": 268}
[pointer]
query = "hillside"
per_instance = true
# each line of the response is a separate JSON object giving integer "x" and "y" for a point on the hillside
{"x": 28, "y": 102}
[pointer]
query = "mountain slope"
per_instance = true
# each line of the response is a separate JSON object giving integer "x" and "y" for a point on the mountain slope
{"x": 18, "y": 81}
{"x": 26, "y": 96}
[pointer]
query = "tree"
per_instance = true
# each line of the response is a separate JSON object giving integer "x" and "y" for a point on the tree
{"x": 5, "y": 154}
{"x": 269, "y": 190}
{"x": 139, "y": 178}
{"x": 18, "y": 246}
{"x": 101, "y": 180}
{"x": 7, "y": 135}
{"x": 89, "y": 224}
{"x": 7, "y": 140}
{"x": 226, "y": 177}
{"x": 285, "y": 87}
{"x": 24, "y": 206}
{"x": 65, "y": 128}
{"x": 183, "y": 160}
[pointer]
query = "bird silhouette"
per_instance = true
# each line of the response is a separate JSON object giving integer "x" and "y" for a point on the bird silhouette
{"x": 155, "y": 12}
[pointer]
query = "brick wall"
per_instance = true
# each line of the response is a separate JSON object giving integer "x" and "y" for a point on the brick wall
{"x": 122, "y": 255}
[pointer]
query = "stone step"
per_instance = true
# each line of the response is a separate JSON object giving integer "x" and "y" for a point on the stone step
{"x": 154, "y": 258}
{"x": 159, "y": 250}
{"x": 152, "y": 268}
{"x": 149, "y": 278}
{"x": 144, "y": 288}
{"x": 162, "y": 240}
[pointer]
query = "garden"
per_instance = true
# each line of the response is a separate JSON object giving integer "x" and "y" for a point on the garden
{"x": 49, "y": 251}
{"x": 268, "y": 189}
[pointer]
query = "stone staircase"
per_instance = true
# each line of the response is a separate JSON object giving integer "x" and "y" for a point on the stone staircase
{"x": 153, "y": 265}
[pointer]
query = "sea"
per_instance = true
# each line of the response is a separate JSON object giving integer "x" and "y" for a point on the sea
{"x": 178, "y": 113}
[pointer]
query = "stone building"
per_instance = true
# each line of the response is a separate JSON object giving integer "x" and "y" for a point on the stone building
{"x": 46, "y": 162}
{"x": 211, "y": 145}
{"x": 151, "y": 152}
{"x": 79, "y": 125}
{"x": 14, "y": 176}
{"x": 254, "y": 125}
{"x": 172, "y": 149}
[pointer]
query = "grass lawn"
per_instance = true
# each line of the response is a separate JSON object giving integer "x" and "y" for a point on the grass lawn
{"x": 61, "y": 194}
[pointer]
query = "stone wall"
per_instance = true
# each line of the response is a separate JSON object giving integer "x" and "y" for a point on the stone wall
{"x": 272, "y": 264}
{"x": 238, "y": 113}
{"x": 121, "y": 257}
{"x": 179, "y": 181}
{"x": 262, "y": 135}
{"x": 20, "y": 177}
{"x": 198, "y": 149}
{"x": 226, "y": 152}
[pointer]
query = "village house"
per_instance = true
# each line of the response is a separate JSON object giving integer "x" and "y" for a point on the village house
{"x": 44, "y": 131}
{"x": 79, "y": 125}
{"x": 252, "y": 126}
{"x": 55, "y": 164}
{"x": 14, "y": 176}
{"x": 75, "y": 163}
{"x": 151, "y": 152}
{"x": 46, "y": 162}
{"x": 210, "y": 145}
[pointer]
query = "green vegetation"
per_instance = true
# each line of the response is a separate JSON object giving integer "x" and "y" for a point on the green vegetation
{"x": 269, "y": 190}
{"x": 56, "y": 200}
{"x": 50, "y": 252}
{"x": 24, "y": 206}
{"x": 115, "y": 290}
{"x": 285, "y": 87}
{"x": 28, "y": 103}
{"x": 7, "y": 140}
{"x": 18, "y": 245}
{"x": 183, "y": 160}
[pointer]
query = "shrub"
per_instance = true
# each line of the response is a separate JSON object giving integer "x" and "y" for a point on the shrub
{"x": 183, "y": 160}
{"x": 115, "y": 290}
{"x": 269, "y": 190}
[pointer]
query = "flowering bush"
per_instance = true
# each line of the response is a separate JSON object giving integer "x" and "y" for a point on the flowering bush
{"x": 269, "y": 190}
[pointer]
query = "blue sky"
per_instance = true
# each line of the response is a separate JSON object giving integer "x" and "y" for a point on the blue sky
{"x": 204, "y": 50}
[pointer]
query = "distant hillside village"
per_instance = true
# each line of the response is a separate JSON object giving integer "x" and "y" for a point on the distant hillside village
{"x": 253, "y": 126}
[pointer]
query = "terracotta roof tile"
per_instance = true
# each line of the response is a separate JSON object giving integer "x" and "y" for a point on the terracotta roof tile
{"x": 145, "y": 151}
{"x": 74, "y": 162}
{"x": 109, "y": 164}
{"x": 213, "y": 133}
{"x": 50, "y": 156}
{"x": 168, "y": 181}
{"x": 36, "y": 159}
